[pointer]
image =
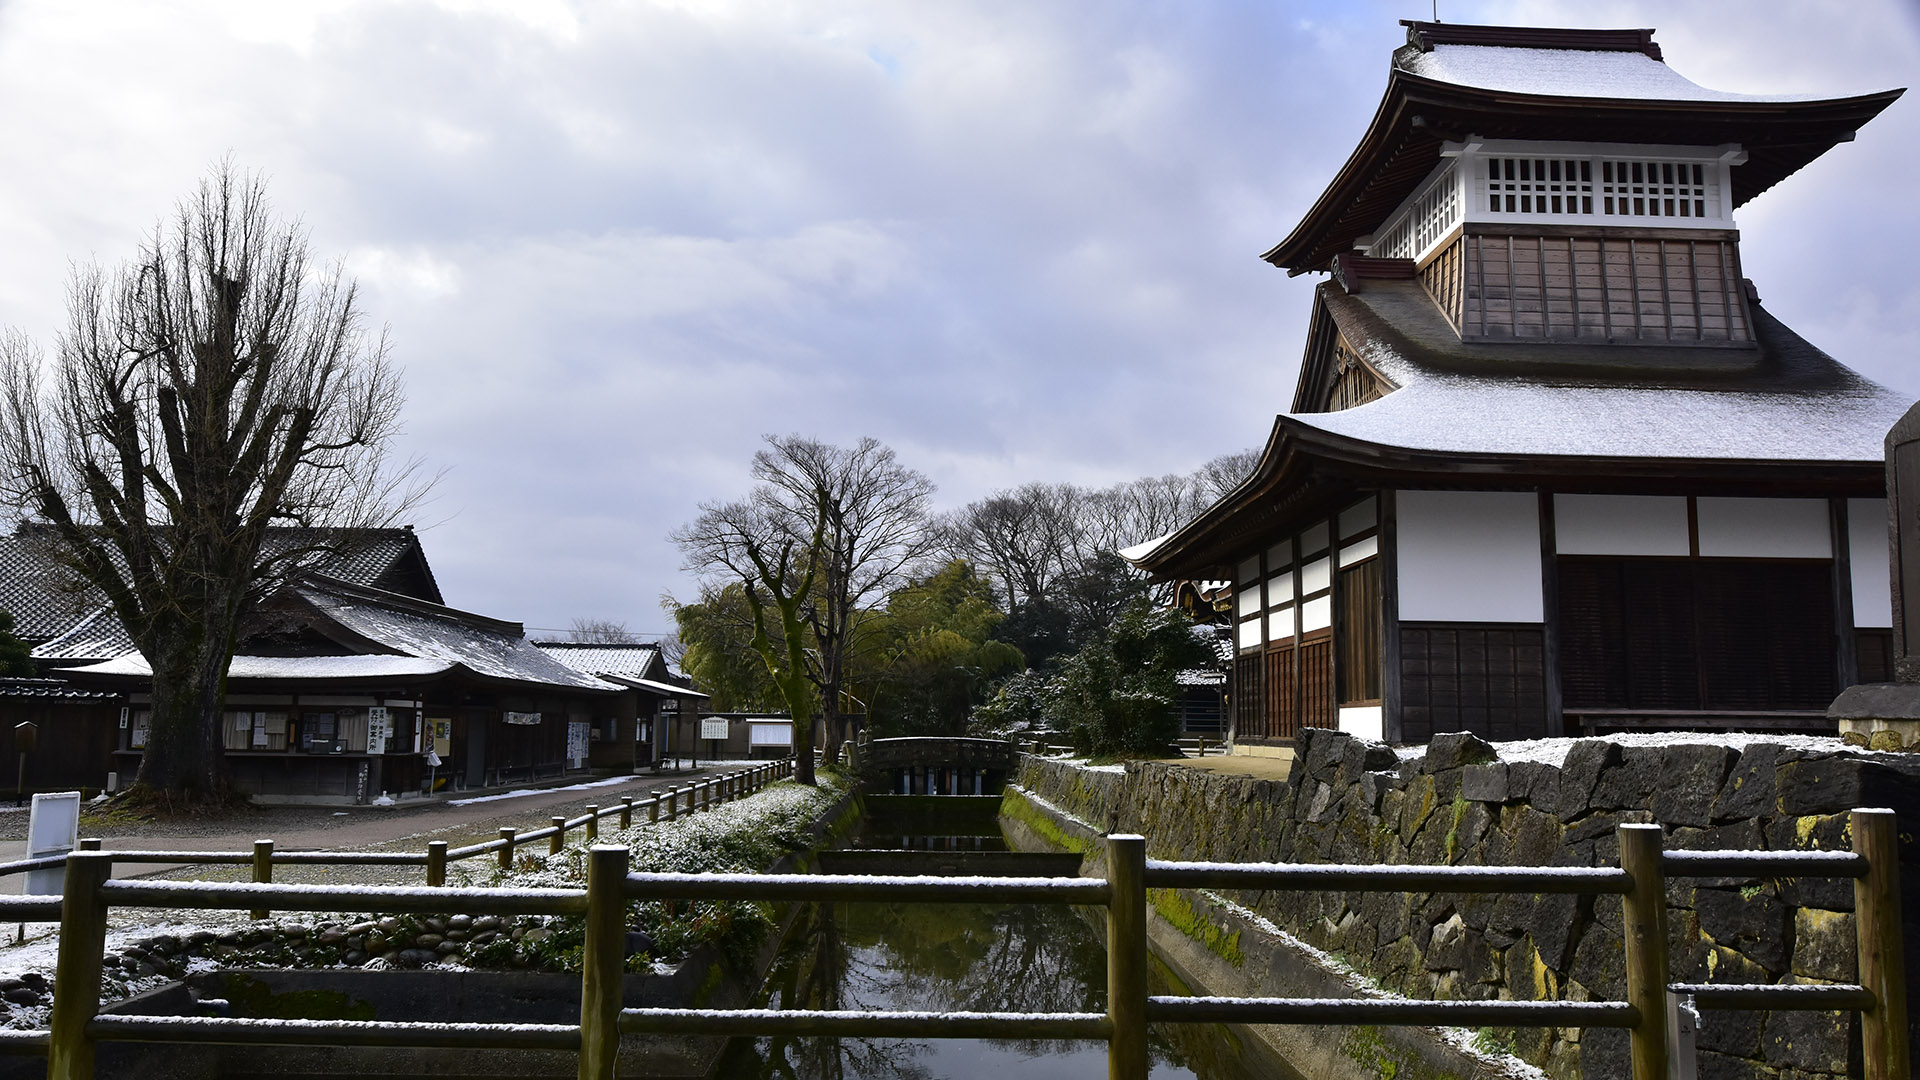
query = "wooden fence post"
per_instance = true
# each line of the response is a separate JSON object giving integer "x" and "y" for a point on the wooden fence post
{"x": 559, "y": 838}
{"x": 90, "y": 843}
{"x": 76, "y": 973}
{"x": 626, "y": 811}
{"x": 653, "y": 809}
{"x": 1127, "y": 957}
{"x": 1645, "y": 931}
{"x": 593, "y": 822}
{"x": 603, "y": 962}
{"x": 262, "y": 870}
{"x": 673, "y": 802}
{"x": 436, "y": 864}
{"x": 506, "y": 849}
{"x": 1882, "y": 949}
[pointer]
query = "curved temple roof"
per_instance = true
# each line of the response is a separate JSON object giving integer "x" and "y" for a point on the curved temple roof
{"x": 1451, "y": 82}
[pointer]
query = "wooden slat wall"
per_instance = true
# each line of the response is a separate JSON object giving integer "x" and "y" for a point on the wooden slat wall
{"x": 1247, "y": 697}
{"x": 1444, "y": 281}
{"x": 1281, "y": 720}
{"x": 1487, "y": 679}
{"x": 1679, "y": 289}
{"x": 1876, "y": 655}
{"x": 1316, "y": 683}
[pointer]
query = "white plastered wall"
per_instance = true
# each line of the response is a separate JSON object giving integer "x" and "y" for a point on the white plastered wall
{"x": 1867, "y": 560}
{"x": 1620, "y": 525}
{"x": 1764, "y": 528}
{"x": 1468, "y": 556}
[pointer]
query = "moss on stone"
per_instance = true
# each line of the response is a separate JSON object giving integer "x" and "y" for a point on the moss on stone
{"x": 715, "y": 976}
{"x": 1180, "y": 914}
{"x": 252, "y": 998}
{"x": 1017, "y": 807}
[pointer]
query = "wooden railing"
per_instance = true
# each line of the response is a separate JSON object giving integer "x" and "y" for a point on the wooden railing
{"x": 1640, "y": 881}
{"x": 665, "y": 805}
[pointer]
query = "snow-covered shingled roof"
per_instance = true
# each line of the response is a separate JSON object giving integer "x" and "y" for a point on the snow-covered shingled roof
{"x": 1568, "y": 73}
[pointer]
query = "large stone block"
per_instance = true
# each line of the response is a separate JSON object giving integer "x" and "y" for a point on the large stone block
{"x": 1824, "y": 946}
{"x": 1533, "y": 782}
{"x": 1749, "y": 790}
{"x": 1484, "y": 783}
{"x": 1319, "y": 753}
{"x": 1815, "y": 1041}
{"x": 1600, "y": 962}
{"x": 1714, "y": 1066}
{"x": 1834, "y": 785}
{"x": 1456, "y": 749}
{"x": 1690, "y": 781}
{"x": 1363, "y": 756}
{"x": 1757, "y": 926}
{"x": 1580, "y": 772}
{"x": 1630, "y": 784}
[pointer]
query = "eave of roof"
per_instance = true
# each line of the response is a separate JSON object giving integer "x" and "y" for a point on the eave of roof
{"x": 1788, "y": 420}
{"x": 1417, "y": 115}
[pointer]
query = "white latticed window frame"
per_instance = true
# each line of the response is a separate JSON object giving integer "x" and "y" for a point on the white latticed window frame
{"x": 1423, "y": 220}
{"x": 1648, "y": 188}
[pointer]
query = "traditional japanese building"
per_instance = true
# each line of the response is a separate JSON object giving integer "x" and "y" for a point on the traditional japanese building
{"x": 1551, "y": 467}
{"x": 351, "y": 681}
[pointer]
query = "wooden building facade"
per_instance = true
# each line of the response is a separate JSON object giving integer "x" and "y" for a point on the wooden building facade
{"x": 1551, "y": 467}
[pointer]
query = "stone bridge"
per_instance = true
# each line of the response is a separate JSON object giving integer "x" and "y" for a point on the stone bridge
{"x": 937, "y": 766}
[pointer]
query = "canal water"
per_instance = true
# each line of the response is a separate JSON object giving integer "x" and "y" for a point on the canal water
{"x": 950, "y": 957}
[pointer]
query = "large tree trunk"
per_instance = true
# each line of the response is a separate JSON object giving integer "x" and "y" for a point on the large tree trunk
{"x": 185, "y": 754}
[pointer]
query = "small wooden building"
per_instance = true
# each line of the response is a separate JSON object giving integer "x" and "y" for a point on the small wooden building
{"x": 650, "y": 729}
{"x": 1551, "y": 466}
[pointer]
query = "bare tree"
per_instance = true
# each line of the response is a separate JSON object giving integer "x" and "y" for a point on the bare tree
{"x": 601, "y": 632}
{"x": 745, "y": 541}
{"x": 218, "y": 384}
{"x": 852, "y": 519}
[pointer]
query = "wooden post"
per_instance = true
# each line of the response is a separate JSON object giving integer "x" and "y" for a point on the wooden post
{"x": 653, "y": 809}
{"x": 1127, "y": 957}
{"x": 603, "y": 960}
{"x": 1645, "y": 929}
{"x": 673, "y": 802}
{"x": 506, "y": 849}
{"x": 626, "y": 811}
{"x": 593, "y": 822}
{"x": 262, "y": 870}
{"x": 559, "y": 838}
{"x": 436, "y": 864}
{"x": 1882, "y": 950}
{"x": 76, "y": 976}
{"x": 90, "y": 843}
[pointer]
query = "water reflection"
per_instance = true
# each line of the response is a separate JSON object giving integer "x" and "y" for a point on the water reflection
{"x": 947, "y": 957}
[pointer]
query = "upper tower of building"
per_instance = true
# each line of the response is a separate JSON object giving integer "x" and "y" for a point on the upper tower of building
{"x": 1562, "y": 186}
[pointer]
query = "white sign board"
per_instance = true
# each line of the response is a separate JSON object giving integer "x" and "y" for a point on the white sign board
{"x": 522, "y": 719}
{"x": 577, "y": 731}
{"x": 713, "y": 727}
{"x": 379, "y": 730}
{"x": 53, "y": 828}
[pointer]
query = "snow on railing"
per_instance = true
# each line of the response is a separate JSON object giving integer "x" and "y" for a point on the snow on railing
{"x": 1640, "y": 881}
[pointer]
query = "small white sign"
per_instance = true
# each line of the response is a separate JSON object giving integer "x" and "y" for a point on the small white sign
{"x": 53, "y": 828}
{"x": 713, "y": 727}
{"x": 577, "y": 731}
{"x": 522, "y": 719}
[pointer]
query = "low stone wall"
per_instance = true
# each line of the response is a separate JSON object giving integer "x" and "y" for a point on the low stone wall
{"x": 1458, "y": 802}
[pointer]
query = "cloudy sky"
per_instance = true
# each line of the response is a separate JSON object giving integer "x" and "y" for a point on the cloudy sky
{"x": 616, "y": 243}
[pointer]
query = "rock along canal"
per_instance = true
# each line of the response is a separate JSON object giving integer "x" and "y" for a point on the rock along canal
{"x": 947, "y": 957}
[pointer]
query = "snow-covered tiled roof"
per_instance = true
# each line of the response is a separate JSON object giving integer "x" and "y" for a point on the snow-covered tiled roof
{"x": 98, "y": 634}
{"x": 289, "y": 667}
{"x": 413, "y": 628}
{"x": 1783, "y": 401}
{"x": 1584, "y": 73}
{"x": 636, "y": 661}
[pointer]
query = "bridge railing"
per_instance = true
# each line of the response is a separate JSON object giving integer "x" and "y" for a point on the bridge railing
{"x": 1640, "y": 881}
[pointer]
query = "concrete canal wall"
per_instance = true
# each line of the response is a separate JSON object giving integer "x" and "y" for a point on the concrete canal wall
{"x": 1460, "y": 802}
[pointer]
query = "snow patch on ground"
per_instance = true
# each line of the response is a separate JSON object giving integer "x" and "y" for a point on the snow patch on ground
{"x": 1554, "y": 751}
{"x": 524, "y": 792}
{"x": 1044, "y": 804}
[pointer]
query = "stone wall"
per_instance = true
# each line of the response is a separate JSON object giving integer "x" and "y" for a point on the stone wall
{"x": 1353, "y": 801}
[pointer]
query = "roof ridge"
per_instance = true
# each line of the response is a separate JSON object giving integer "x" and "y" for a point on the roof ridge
{"x": 1425, "y": 35}
{"x": 411, "y": 603}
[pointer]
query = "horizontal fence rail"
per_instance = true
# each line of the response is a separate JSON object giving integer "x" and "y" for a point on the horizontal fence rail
{"x": 76, "y": 1025}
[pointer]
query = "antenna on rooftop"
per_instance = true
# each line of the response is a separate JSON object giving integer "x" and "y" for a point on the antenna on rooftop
{"x": 1436, "y": 10}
